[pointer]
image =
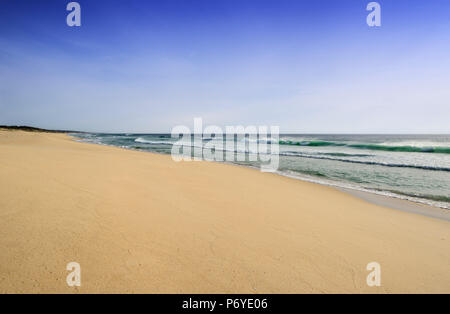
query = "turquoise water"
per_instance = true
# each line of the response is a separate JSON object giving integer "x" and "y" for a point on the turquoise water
{"x": 414, "y": 167}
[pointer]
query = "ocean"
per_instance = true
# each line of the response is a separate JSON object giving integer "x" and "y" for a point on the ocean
{"x": 412, "y": 167}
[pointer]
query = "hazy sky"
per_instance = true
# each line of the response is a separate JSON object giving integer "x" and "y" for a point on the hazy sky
{"x": 310, "y": 66}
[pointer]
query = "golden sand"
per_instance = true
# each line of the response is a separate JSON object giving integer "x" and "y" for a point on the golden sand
{"x": 139, "y": 222}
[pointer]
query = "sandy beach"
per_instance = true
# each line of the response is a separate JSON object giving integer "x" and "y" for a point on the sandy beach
{"x": 139, "y": 222}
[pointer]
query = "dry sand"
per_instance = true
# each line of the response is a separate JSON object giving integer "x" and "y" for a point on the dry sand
{"x": 139, "y": 222}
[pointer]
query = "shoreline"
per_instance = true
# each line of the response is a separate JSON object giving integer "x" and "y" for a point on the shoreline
{"x": 141, "y": 223}
{"x": 397, "y": 202}
{"x": 401, "y": 204}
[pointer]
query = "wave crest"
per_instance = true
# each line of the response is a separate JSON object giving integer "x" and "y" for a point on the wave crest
{"x": 389, "y": 148}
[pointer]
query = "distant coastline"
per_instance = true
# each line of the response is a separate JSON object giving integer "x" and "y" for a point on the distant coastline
{"x": 27, "y": 128}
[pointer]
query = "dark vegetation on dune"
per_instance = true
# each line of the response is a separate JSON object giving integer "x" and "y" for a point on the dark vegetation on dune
{"x": 33, "y": 129}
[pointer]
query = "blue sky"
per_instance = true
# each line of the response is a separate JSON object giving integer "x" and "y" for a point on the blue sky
{"x": 310, "y": 66}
